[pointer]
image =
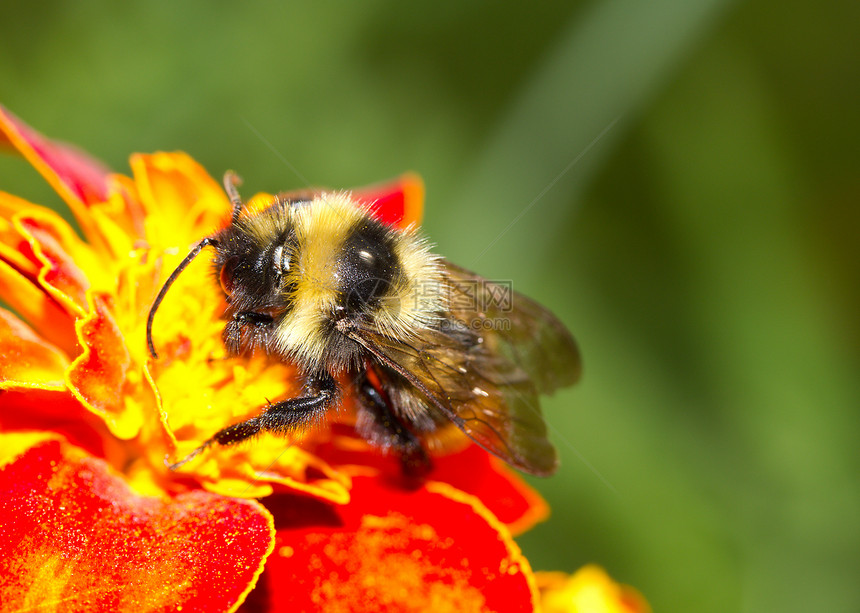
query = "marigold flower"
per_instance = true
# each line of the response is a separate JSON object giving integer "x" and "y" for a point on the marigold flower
{"x": 589, "y": 590}
{"x": 90, "y": 516}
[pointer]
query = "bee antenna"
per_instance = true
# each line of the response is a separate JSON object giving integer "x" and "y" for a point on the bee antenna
{"x": 206, "y": 242}
{"x": 231, "y": 182}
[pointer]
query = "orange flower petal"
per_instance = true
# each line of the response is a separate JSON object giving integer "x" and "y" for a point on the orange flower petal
{"x": 82, "y": 540}
{"x": 14, "y": 248}
{"x": 434, "y": 549}
{"x": 78, "y": 178}
{"x": 37, "y": 248}
{"x": 398, "y": 203}
{"x": 121, "y": 216}
{"x": 41, "y": 311}
{"x": 118, "y": 224}
{"x": 98, "y": 377}
{"x": 182, "y": 202}
{"x": 63, "y": 257}
{"x": 291, "y": 468}
{"x": 26, "y": 360}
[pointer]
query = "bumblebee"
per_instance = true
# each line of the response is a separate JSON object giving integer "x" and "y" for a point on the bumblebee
{"x": 424, "y": 345}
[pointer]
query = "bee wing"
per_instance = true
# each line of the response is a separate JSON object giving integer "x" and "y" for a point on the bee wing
{"x": 517, "y": 327}
{"x": 485, "y": 375}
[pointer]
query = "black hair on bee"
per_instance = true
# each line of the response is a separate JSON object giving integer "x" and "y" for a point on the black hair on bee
{"x": 316, "y": 279}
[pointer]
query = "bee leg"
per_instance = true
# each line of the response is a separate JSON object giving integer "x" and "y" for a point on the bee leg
{"x": 378, "y": 424}
{"x": 247, "y": 330}
{"x": 321, "y": 393}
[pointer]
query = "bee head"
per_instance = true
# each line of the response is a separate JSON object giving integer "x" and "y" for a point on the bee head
{"x": 300, "y": 273}
{"x": 253, "y": 273}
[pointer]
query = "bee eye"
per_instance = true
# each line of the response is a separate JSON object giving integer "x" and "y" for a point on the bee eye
{"x": 226, "y": 276}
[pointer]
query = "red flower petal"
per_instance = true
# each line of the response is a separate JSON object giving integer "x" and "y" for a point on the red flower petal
{"x": 397, "y": 203}
{"x": 434, "y": 549}
{"x": 511, "y": 500}
{"x": 77, "y": 177}
{"x": 76, "y": 537}
{"x": 473, "y": 470}
{"x": 57, "y": 411}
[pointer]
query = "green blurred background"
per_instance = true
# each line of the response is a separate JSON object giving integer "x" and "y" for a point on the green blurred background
{"x": 677, "y": 179}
